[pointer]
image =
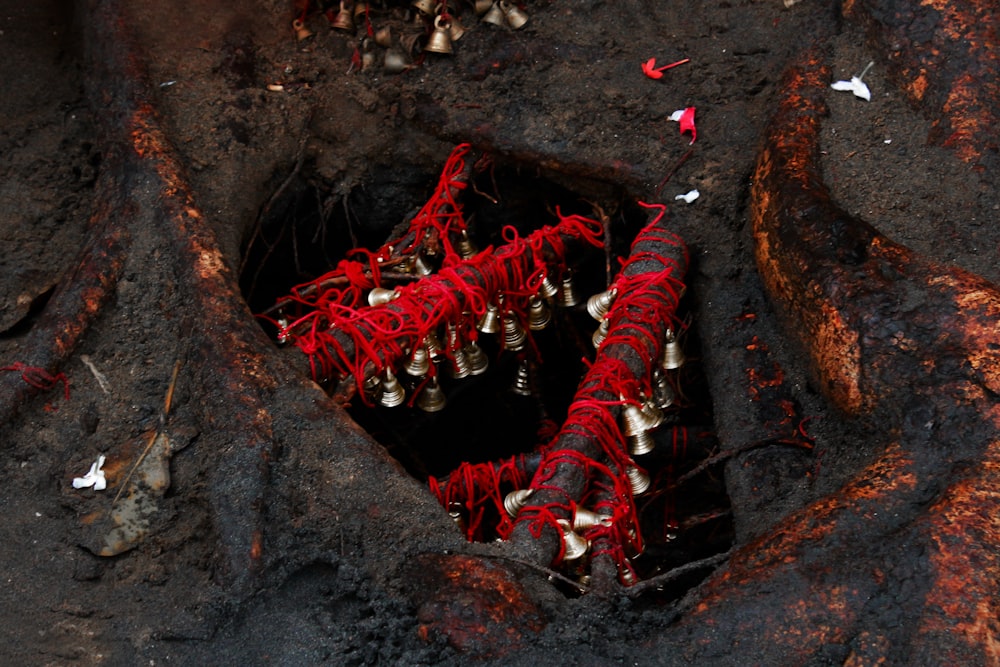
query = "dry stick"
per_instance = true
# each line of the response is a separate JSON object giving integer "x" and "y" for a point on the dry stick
{"x": 679, "y": 571}
{"x": 155, "y": 434}
{"x": 665, "y": 262}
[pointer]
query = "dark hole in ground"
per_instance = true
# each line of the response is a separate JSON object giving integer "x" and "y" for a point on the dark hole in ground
{"x": 684, "y": 517}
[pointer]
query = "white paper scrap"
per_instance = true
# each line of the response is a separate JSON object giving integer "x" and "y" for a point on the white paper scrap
{"x": 689, "y": 197}
{"x": 94, "y": 478}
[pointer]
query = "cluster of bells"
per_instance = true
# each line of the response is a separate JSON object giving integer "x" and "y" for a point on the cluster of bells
{"x": 638, "y": 421}
{"x": 400, "y": 50}
{"x": 466, "y": 357}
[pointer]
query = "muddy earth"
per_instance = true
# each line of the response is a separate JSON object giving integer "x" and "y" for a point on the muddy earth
{"x": 310, "y": 544}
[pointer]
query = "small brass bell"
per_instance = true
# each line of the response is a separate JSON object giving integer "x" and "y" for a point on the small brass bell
{"x": 419, "y": 266}
{"x": 514, "y": 335}
{"x": 490, "y": 321}
{"x": 636, "y": 421}
{"x": 384, "y": 37}
{"x": 575, "y": 546}
{"x": 431, "y": 398}
{"x": 652, "y": 412}
{"x": 640, "y": 443}
{"x": 663, "y": 393}
{"x": 567, "y": 293}
{"x": 516, "y": 17}
{"x": 515, "y": 501}
{"x": 599, "y": 304}
{"x": 466, "y": 248}
{"x": 478, "y": 361}
{"x": 460, "y": 364}
{"x": 481, "y": 6}
{"x": 629, "y": 577}
{"x": 373, "y": 387}
{"x": 360, "y": 9}
{"x": 457, "y": 515}
{"x": 440, "y": 39}
{"x": 638, "y": 480}
{"x": 433, "y": 345}
{"x": 539, "y": 314}
{"x": 584, "y": 519}
{"x": 381, "y": 295}
{"x": 457, "y": 30}
{"x": 601, "y": 333}
{"x": 343, "y": 21}
{"x": 283, "y": 333}
{"x": 395, "y": 62}
{"x": 425, "y": 7}
{"x": 522, "y": 381}
{"x": 673, "y": 354}
{"x": 412, "y": 44}
{"x": 419, "y": 364}
{"x": 547, "y": 289}
{"x": 393, "y": 393}
{"x": 495, "y": 15}
{"x": 301, "y": 31}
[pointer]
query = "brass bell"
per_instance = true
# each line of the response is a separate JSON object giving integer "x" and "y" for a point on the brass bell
{"x": 567, "y": 293}
{"x": 547, "y": 289}
{"x": 673, "y": 353}
{"x": 457, "y": 30}
{"x": 640, "y": 443}
{"x": 440, "y": 39}
{"x": 419, "y": 266}
{"x": 652, "y": 412}
{"x": 599, "y": 304}
{"x": 412, "y": 44}
{"x": 477, "y": 359}
{"x": 360, "y": 9}
{"x": 635, "y": 420}
{"x": 460, "y": 364}
{"x": 393, "y": 393}
{"x": 466, "y": 248}
{"x": 301, "y": 31}
{"x": 381, "y": 295}
{"x": 384, "y": 37}
{"x": 515, "y": 501}
{"x": 584, "y": 519}
{"x": 431, "y": 398}
{"x": 433, "y": 345}
{"x": 481, "y": 6}
{"x": 395, "y": 62}
{"x": 638, "y": 480}
{"x": 490, "y": 320}
{"x": 419, "y": 364}
{"x": 373, "y": 387}
{"x": 343, "y": 21}
{"x": 516, "y": 17}
{"x": 457, "y": 515}
{"x": 495, "y": 15}
{"x": 514, "y": 335}
{"x": 574, "y": 545}
{"x": 601, "y": 333}
{"x": 522, "y": 381}
{"x": 539, "y": 314}
{"x": 629, "y": 577}
{"x": 425, "y": 7}
{"x": 663, "y": 393}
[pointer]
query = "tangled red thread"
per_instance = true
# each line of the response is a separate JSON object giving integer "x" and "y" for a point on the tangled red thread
{"x": 39, "y": 378}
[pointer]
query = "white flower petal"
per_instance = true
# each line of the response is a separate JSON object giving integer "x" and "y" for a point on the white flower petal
{"x": 676, "y": 116}
{"x": 856, "y": 86}
{"x": 94, "y": 477}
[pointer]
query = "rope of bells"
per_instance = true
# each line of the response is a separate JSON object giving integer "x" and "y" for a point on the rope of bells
{"x": 397, "y": 38}
{"x": 574, "y": 496}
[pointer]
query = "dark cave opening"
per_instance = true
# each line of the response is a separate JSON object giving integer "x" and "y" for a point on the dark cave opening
{"x": 518, "y": 403}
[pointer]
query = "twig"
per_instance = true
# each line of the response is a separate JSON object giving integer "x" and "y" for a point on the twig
{"x": 98, "y": 375}
{"x": 673, "y": 170}
{"x": 168, "y": 399}
{"x": 665, "y": 578}
{"x": 552, "y": 574}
